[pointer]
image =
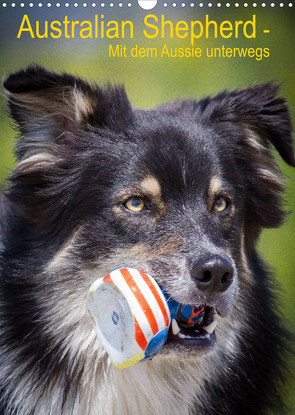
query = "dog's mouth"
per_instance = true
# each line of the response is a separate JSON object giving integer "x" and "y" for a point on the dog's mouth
{"x": 195, "y": 330}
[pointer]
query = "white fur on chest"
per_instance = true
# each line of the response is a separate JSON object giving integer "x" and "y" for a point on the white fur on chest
{"x": 161, "y": 386}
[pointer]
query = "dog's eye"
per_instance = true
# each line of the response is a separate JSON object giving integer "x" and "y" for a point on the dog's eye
{"x": 220, "y": 204}
{"x": 135, "y": 204}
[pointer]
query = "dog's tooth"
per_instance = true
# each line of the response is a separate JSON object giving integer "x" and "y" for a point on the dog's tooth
{"x": 204, "y": 336}
{"x": 184, "y": 336}
{"x": 175, "y": 327}
{"x": 212, "y": 326}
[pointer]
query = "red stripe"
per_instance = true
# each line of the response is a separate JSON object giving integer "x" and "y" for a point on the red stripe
{"x": 157, "y": 297}
{"x": 141, "y": 300}
{"x": 108, "y": 278}
{"x": 194, "y": 314}
{"x": 139, "y": 336}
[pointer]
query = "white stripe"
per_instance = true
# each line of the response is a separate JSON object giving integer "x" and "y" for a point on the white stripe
{"x": 149, "y": 296}
{"x": 136, "y": 309}
{"x": 162, "y": 297}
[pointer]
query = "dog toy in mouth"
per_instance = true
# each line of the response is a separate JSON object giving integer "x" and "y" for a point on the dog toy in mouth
{"x": 132, "y": 315}
{"x": 185, "y": 314}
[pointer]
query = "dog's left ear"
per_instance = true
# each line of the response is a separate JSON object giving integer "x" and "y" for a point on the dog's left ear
{"x": 250, "y": 120}
{"x": 264, "y": 116}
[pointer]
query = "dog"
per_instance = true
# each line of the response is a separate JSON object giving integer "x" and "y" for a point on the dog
{"x": 182, "y": 192}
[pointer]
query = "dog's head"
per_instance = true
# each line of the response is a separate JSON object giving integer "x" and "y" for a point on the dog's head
{"x": 181, "y": 191}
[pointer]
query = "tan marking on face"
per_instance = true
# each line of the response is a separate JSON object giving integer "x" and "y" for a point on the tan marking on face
{"x": 151, "y": 186}
{"x": 61, "y": 257}
{"x": 143, "y": 251}
{"x": 215, "y": 189}
{"x": 148, "y": 187}
{"x": 215, "y": 186}
{"x": 162, "y": 247}
{"x": 167, "y": 245}
{"x": 140, "y": 250}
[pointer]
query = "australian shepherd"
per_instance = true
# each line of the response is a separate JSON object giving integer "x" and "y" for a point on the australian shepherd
{"x": 182, "y": 192}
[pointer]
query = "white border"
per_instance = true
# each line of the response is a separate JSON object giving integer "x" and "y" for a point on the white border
{"x": 129, "y": 4}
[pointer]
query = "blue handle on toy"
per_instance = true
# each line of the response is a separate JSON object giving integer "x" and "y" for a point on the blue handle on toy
{"x": 186, "y": 314}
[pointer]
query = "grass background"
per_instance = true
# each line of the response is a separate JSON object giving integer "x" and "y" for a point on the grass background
{"x": 152, "y": 81}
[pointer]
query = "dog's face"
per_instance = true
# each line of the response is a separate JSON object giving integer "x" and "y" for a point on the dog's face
{"x": 181, "y": 191}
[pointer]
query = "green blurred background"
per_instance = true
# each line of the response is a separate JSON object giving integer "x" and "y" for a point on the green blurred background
{"x": 151, "y": 81}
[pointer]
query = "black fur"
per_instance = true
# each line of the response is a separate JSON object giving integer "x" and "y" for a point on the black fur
{"x": 95, "y": 146}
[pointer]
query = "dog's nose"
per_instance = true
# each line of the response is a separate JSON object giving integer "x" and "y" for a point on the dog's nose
{"x": 213, "y": 274}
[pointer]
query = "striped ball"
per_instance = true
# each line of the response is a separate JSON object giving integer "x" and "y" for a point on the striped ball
{"x": 130, "y": 315}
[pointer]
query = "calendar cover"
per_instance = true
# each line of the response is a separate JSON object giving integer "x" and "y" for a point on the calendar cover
{"x": 162, "y": 52}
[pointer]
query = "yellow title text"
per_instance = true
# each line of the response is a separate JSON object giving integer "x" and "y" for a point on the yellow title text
{"x": 153, "y": 27}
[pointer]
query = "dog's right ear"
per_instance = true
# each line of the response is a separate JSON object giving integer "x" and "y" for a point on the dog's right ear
{"x": 59, "y": 117}
{"x": 48, "y": 108}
